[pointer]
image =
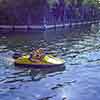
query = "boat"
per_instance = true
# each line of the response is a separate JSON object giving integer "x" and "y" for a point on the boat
{"x": 51, "y": 62}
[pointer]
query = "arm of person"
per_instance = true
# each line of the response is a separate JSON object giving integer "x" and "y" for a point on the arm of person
{"x": 33, "y": 60}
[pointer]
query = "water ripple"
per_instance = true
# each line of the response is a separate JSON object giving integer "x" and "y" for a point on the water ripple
{"x": 78, "y": 80}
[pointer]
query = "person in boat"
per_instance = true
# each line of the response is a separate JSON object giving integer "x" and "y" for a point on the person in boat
{"x": 37, "y": 55}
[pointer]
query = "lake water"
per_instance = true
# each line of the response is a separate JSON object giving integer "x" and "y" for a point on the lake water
{"x": 78, "y": 80}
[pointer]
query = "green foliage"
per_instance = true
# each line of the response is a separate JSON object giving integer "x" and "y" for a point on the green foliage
{"x": 83, "y": 2}
{"x": 91, "y": 2}
{"x": 52, "y": 2}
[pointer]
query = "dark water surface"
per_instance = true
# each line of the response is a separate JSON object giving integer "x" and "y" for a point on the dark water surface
{"x": 79, "y": 80}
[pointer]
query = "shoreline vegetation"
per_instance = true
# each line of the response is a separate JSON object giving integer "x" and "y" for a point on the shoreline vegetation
{"x": 48, "y": 12}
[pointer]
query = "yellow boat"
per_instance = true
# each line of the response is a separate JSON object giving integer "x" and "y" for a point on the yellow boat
{"x": 48, "y": 61}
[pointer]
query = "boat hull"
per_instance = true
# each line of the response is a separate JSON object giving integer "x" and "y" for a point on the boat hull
{"x": 39, "y": 65}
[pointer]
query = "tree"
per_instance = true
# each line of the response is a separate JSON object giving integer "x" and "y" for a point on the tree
{"x": 91, "y": 2}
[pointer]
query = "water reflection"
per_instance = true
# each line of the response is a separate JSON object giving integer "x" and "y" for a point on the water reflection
{"x": 38, "y": 74}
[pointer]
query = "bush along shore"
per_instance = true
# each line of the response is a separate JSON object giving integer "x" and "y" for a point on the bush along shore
{"x": 42, "y": 13}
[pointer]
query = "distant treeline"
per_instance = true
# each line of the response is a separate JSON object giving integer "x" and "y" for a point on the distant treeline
{"x": 36, "y": 12}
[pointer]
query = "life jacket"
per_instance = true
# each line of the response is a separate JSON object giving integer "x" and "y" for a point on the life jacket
{"x": 33, "y": 57}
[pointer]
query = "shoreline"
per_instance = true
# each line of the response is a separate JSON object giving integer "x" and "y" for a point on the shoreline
{"x": 45, "y": 26}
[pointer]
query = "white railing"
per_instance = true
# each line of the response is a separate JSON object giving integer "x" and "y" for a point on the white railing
{"x": 44, "y": 26}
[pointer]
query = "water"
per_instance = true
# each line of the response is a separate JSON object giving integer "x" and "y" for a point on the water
{"x": 78, "y": 80}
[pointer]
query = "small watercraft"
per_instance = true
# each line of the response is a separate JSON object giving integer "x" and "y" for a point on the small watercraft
{"x": 48, "y": 61}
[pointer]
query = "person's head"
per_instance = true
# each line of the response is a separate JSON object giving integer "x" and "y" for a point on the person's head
{"x": 33, "y": 51}
{"x": 40, "y": 51}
